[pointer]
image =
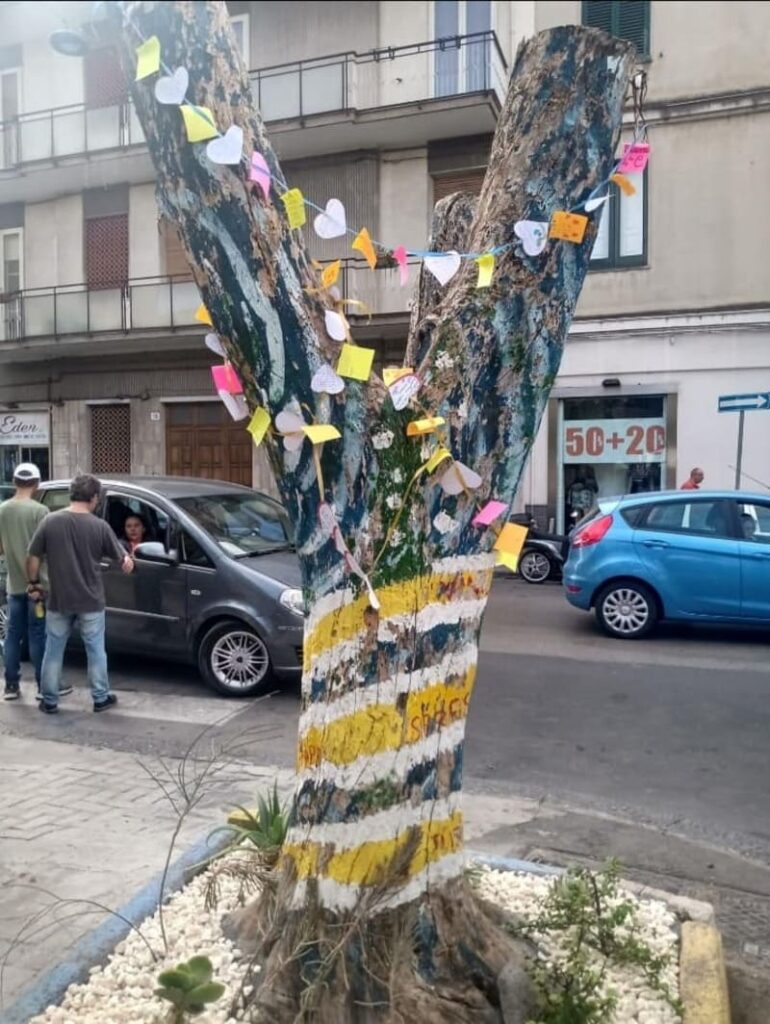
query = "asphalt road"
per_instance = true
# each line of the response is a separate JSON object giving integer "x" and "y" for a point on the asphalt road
{"x": 673, "y": 731}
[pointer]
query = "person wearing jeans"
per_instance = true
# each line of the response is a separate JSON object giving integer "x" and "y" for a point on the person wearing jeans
{"x": 23, "y": 623}
{"x": 73, "y": 543}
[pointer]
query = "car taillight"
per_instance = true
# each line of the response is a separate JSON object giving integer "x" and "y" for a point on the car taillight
{"x": 592, "y": 532}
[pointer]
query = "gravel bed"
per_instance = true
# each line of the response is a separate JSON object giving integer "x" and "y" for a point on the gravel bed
{"x": 121, "y": 992}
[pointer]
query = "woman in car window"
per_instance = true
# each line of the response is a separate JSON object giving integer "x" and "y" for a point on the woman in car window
{"x": 135, "y": 531}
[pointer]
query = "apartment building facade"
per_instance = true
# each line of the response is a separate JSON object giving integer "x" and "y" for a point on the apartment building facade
{"x": 387, "y": 106}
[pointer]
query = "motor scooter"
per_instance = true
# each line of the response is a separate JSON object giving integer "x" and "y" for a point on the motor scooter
{"x": 543, "y": 555}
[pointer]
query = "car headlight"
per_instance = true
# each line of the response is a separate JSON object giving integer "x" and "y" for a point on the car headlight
{"x": 294, "y": 601}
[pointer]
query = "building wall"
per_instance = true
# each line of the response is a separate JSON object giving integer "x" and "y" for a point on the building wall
{"x": 279, "y": 33}
{"x": 144, "y": 247}
{"x": 53, "y": 242}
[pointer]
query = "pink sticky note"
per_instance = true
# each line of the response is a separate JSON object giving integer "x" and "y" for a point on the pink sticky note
{"x": 260, "y": 173}
{"x": 226, "y": 379}
{"x": 489, "y": 513}
{"x": 400, "y": 256}
{"x": 635, "y": 157}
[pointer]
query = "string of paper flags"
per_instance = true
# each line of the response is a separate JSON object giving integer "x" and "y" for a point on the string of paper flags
{"x": 355, "y": 362}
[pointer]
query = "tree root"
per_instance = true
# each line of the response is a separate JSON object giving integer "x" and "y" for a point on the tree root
{"x": 437, "y": 959}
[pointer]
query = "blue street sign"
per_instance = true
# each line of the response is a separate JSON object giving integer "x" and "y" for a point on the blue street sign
{"x": 745, "y": 403}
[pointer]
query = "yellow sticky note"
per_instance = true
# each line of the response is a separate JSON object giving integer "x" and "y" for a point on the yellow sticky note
{"x": 363, "y": 243}
{"x": 486, "y": 265}
{"x": 436, "y": 459}
{"x": 623, "y": 184}
{"x": 427, "y": 426}
{"x": 355, "y": 362}
{"x": 570, "y": 227}
{"x": 258, "y": 425}
{"x": 199, "y": 123}
{"x": 509, "y": 544}
{"x": 294, "y": 203}
{"x": 203, "y": 316}
{"x": 320, "y": 432}
{"x": 147, "y": 58}
{"x": 511, "y": 561}
{"x": 331, "y": 273}
{"x": 393, "y": 373}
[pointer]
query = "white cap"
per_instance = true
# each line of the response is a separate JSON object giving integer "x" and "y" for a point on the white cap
{"x": 26, "y": 472}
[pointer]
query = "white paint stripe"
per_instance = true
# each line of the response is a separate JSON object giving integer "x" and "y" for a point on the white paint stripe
{"x": 455, "y": 663}
{"x": 327, "y": 604}
{"x": 375, "y": 827}
{"x": 370, "y": 768}
{"x": 429, "y": 617}
{"x": 464, "y": 563}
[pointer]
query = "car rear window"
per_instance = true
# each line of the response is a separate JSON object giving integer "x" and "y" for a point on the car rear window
{"x": 633, "y": 515}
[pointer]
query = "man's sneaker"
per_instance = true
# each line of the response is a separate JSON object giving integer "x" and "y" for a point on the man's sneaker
{"x": 39, "y": 695}
{"x": 11, "y": 693}
{"x": 108, "y": 702}
{"x": 48, "y": 709}
{"x": 65, "y": 691}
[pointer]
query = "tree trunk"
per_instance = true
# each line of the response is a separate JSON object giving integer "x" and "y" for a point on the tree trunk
{"x": 371, "y": 913}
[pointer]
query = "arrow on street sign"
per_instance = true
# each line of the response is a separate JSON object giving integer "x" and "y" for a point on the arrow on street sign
{"x": 744, "y": 403}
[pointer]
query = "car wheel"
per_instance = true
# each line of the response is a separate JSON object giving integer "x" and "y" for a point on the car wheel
{"x": 234, "y": 660}
{"x": 535, "y": 567}
{"x": 626, "y": 610}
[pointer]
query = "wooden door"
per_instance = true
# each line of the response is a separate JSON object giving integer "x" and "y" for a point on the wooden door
{"x": 202, "y": 440}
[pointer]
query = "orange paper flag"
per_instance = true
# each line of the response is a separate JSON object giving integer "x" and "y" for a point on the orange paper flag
{"x": 331, "y": 273}
{"x": 570, "y": 227}
{"x": 623, "y": 184}
{"x": 363, "y": 243}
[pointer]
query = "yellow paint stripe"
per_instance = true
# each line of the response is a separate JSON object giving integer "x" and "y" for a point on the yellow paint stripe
{"x": 702, "y": 976}
{"x": 397, "y": 599}
{"x": 384, "y": 727}
{"x": 372, "y": 862}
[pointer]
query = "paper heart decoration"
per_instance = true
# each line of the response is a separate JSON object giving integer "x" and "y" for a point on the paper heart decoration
{"x": 260, "y": 173}
{"x": 326, "y": 380}
{"x": 403, "y": 390}
{"x": 533, "y": 234}
{"x": 326, "y": 518}
{"x": 459, "y": 478}
{"x": 291, "y": 426}
{"x": 227, "y": 148}
{"x": 215, "y": 345}
{"x": 594, "y": 203}
{"x": 336, "y": 325}
{"x": 331, "y": 223}
{"x": 235, "y": 405}
{"x": 172, "y": 89}
{"x": 443, "y": 267}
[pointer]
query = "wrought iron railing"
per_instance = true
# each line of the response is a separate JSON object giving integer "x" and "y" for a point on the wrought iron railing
{"x": 455, "y": 66}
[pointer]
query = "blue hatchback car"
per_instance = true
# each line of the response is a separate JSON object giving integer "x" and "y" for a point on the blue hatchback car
{"x": 695, "y": 556}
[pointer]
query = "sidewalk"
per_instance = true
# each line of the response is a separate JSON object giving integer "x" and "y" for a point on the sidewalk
{"x": 90, "y": 824}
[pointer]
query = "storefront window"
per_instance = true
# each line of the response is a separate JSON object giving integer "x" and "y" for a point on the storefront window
{"x": 609, "y": 445}
{"x": 24, "y": 437}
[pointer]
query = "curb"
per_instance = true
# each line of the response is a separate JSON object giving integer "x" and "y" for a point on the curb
{"x": 96, "y": 945}
{"x": 702, "y": 975}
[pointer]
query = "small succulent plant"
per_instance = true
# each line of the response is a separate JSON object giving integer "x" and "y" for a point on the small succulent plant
{"x": 188, "y": 987}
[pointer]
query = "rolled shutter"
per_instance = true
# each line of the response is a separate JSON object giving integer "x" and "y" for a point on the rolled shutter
{"x": 458, "y": 181}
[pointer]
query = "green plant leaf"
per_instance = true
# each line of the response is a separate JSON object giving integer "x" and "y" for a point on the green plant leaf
{"x": 177, "y": 978}
{"x": 172, "y": 995}
{"x": 208, "y": 993}
{"x": 200, "y": 970}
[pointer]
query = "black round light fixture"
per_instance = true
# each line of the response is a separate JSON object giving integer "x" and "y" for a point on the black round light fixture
{"x": 69, "y": 42}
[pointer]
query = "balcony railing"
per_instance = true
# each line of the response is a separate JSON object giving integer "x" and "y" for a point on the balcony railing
{"x": 160, "y": 303}
{"x": 455, "y": 66}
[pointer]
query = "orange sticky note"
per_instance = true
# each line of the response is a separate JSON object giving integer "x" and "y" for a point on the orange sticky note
{"x": 570, "y": 227}
{"x": 258, "y": 425}
{"x": 320, "y": 432}
{"x": 427, "y": 426}
{"x": 203, "y": 315}
{"x": 331, "y": 273}
{"x": 436, "y": 459}
{"x": 486, "y": 265}
{"x": 147, "y": 58}
{"x": 393, "y": 373}
{"x": 509, "y": 544}
{"x": 623, "y": 184}
{"x": 363, "y": 243}
{"x": 294, "y": 203}
{"x": 355, "y": 362}
{"x": 199, "y": 123}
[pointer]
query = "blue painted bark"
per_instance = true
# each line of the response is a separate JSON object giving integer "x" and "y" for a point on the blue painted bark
{"x": 376, "y": 839}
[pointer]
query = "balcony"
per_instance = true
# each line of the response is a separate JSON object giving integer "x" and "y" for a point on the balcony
{"x": 449, "y": 87}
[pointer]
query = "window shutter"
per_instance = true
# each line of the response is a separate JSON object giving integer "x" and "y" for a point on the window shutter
{"x": 105, "y": 83}
{"x": 598, "y": 14}
{"x": 174, "y": 258}
{"x": 106, "y": 241}
{"x": 111, "y": 438}
{"x": 458, "y": 181}
{"x": 633, "y": 19}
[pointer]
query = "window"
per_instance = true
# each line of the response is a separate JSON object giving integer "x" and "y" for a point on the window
{"x": 106, "y": 242}
{"x": 55, "y": 499}
{"x": 461, "y": 65}
{"x": 240, "y": 26}
{"x": 174, "y": 259}
{"x": 633, "y": 516}
{"x": 622, "y": 237}
{"x": 627, "y": 19}
{"x": 458, "y": 181}
{"x": 192, "y": 553}
{"x": 105, "y": 82}
{"x": 10, "y": 284}
{"x": 754, "y": 522}
{"x": 133, "y": 519}
{"x": 241, "y": 522}
{"x": 111, "y": 438}
{"x": 702, "y": 517}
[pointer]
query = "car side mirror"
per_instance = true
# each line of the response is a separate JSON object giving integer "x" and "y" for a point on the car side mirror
{"x": 154, "y": 551}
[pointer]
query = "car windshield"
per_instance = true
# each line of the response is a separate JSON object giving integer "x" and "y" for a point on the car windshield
{"x": 241, "y": 523}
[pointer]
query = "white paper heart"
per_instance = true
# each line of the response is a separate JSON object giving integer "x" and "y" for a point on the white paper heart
{"x": 235, "y": 405}
{"x": 331, "y": 223}
{"x": 216, "y": 346}
{"x": 288, "y": 422}
{"x": 594, "y": 204}
{"x": 293, "y": 442}
{"x": 172, "y": 89}
{"x": 327, "y": 381}
{"x": 403, "y": 390}
{"x": 459, "y": 478}
{"x": 443, "y": 267}
{"x": 336, "y": 325}
{"x": 533, "y": 234}
{"x": 227, "y": 148}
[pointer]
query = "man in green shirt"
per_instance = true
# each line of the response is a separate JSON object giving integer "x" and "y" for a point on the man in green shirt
{"x": 19, "y": 518}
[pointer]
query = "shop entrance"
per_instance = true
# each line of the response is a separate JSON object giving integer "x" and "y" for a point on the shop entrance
{"x": 609, "y": 445}
{"x": 203, "y": 440}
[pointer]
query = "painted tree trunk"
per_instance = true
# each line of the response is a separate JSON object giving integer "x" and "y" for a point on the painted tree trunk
{"x": 389, "y": 667}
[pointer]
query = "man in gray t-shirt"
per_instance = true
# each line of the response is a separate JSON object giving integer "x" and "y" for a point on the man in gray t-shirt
{"x": 73, "y": 542}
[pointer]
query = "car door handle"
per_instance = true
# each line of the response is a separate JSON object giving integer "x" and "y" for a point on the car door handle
{"x": 656, "y": 543}
{"x": 104, "y": 565}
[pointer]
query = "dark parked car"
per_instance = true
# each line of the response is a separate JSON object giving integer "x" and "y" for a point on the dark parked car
{"x": 216, "y": 583}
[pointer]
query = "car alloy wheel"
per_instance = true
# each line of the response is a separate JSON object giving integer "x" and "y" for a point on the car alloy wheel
{"x": 239, "y": 660}
{"x": 626, "y": 611}
{"x": 535, "y": 567}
